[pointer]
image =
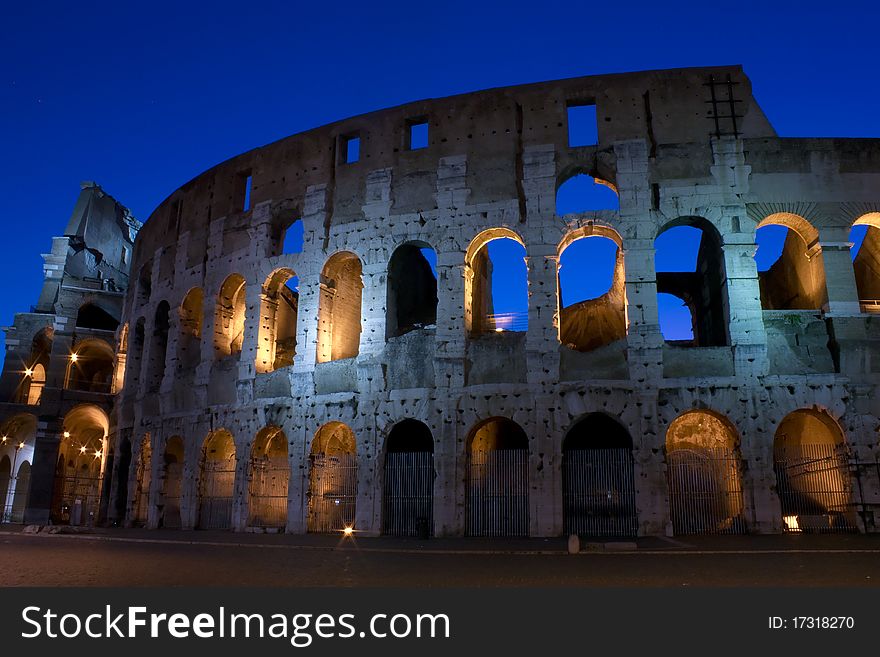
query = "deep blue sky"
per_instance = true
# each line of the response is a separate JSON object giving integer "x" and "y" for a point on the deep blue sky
{"x": 142, "y": 97}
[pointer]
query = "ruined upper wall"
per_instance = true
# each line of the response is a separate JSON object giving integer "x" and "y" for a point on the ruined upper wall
{"x": 491, "y": 128}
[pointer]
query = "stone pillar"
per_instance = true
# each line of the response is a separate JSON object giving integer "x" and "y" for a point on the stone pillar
{"x": 649, "y": 468}
{"x": 42, "y": 484}
{"x": 644, "y": 340}
{"x": 745, "y": 324}
{"x": 542, "y": 339}
{"x": 241, "y": 486}
{"x": 172, "y": 352}
{"x": 840, "y": 278}
{"x": 367, "y": 513}
{"x": 298, "y": 485}
{"x": 450, "y": 340}
{"x": 252, "y": 318}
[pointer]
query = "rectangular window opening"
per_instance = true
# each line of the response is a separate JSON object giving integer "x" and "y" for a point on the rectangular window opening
{"x": 418, "y": 134}
{"x": 350, "y": 149}
{"x": 248, "y": 183}
{"x": 583, "y": 129}
{"x": 241, "y": 201}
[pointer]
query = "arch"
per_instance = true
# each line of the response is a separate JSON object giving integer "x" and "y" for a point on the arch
{"x": 82, "y": 457}
{"x": 408, "y": 480}
{"x": 145, "y": 282}
{"x": 703, "y": 471}
{"x": 217, "y": 481}
{"x": 22, "y": 492}
{"x": 411, "y": 297}
{"x": 497, "y": 479}
{"x": 37, "y": 383}
{"x": 689, "y": 261}
{"x": 135, "y": 356}
{"x": 229, "y": 317}
{"x": 159, "y": 348}
{"x": 269, "y": 481}
{"x": 172, "y": 479}
{"x": 91, "y": 366}
{"x": 591, "y": 316}
{"x": 5, "y": 481}
{"x": 598, "y": 485}
{"x": 581, "y": 192}
{"x": 866, "y": 260}
{"x": 795, "y": 280}
{"x": 34, "y": 379}
{"x": 91, "y": 316}
{"x": 279, "y": 305}
{"x": 486, "y": 310}
{"x": 191, "y": 311}
{"x": 143, "y": 477}
{"x": 812, "y": 473}
{"x": 339, "y": 308}
{"x": 332, "y": 479}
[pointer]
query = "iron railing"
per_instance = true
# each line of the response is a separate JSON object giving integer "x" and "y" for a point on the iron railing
{"x": 599, "y": 496}
{"x": 216, "y": 488}
{"x": 407, "y": 500}
{"x": 332, "y": 492}
{"x": 267, "y": 505}
{"x": 498, "y": 493}
{"x": 705, "y": 491}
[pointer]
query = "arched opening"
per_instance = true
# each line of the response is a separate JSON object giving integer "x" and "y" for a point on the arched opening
{"x": 789, "y": 261}
{"x": 812, "y": 473}
{"x": 339, "y": 308}
{"x": 17, "y": 437}
{"x": 145, "y": 283}
{"x": 689, "y": 261}
{"x": 496, "y": 284}
{"x": 229, "y": 318}
{"x": 143, "y": 474}
{"x": 703, "y": 471}
{"x": 408, "y": 489}
{"x": 592, "y": 291}
{"x": 583, "y": 193}
{"x": 135, "y": 355}
{"x": 80, "y": 468}
{"x": 37, "y": 383}
{"x": 412, "y": 290}
{"x": 217, "y": 481}
{"x": 598, "y": 488}
{"x": 189, "y": 352}
{"x": 292, "y": 237}
{"x": 159, "y": 348}
{"x": 279, "y": 304}
{"x": 332, "y": 479}
{"x": 92, "y": 316}
{"x": 172, "y": 479}
{"x": 498, "y": 479}
{"x": 270, "y": 476}
{"x": 865, "y": 236}
{"x": 91, "y": 366}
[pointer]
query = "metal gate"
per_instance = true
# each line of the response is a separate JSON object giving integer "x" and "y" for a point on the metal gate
{"x": 498, "y": 493}
{"x": 80, "y": 499}
{"x": 407, "y": 501}
{"x": 815, "y": 489}
{"x": 599, "y": 497}
{"x": 171, "y": 496}
{"x": 332, "y": 492}
{"x": 142, "y": 493}
{"x": 705, "y": 491}
{"x": 216, "y": 489}
{"x": 268, "y": 493}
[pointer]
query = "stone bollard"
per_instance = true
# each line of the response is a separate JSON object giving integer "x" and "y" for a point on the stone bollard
{"x": 574, "y": 544}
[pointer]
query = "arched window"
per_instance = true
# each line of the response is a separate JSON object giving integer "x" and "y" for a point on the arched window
{"x": 412, "y": 289}
{"x": 270, "y": 475}
{"x": 339, "y": 309}
{"x": 278, "y": 312}
{"x": 136, "y": 355}
{"x": 703, "y": 471}
{"x": 865, "y": 236}
{"x": 81, "y": 459}
{"x": 191, "y": 312}
{"x": 229, "y": 317}
{"x": 37, "y": 383}
{"x": 217, "y": 481}
{"x": 592, "y": 292}
{"x": 812, "y": 473}
{"x": 332, "y": 479}
{"x": 159, "y": 348}
{"x": 91, "y": 366}
{"x": 407, "y": 499}
{"x": 583, "y": 193}
{"x": 690, "y": 267}
{"x": 789, "y": 260}
{"x": 496, "y": 287}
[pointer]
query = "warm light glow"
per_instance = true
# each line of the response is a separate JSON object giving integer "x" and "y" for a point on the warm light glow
{"x": 5, "y": 438}
{"x": 28, "y": 371}
{"x": 791, "y": 523}
{"x": 499, "y": 330}
{"x": 82, "y": 450}
{"x": 21, "y": 445}
{"x": 348, "y": 531}
{"x": 98, "y": 454}
{"x": 67, "y": 434}
{"x": 73, "y": 358}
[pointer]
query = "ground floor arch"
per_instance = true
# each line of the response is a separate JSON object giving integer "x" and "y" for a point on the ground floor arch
{"x": 598, "y": 488}
{"x": 497, "y": 499}
{"x": 79, "y": 469}
{"x": 269, "y": 481}
{"x": 812, "y": 473}
{"x": 332, "y": 492}
{"x": 21, "y": 492}
{"x": 171, "y": 473}
{"x": 704, "y": 478}
{"x": 408, "y": 482}
{"x": 217, "y": 481}
{"x": 142, "y": 476}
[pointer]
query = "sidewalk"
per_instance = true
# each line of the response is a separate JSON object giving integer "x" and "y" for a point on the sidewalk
{"x": 717, "y": 544}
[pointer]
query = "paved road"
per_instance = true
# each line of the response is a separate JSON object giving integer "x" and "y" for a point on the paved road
{"x": 156, "y": 559}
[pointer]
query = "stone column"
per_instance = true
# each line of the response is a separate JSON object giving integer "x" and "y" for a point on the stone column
{"x": 42, "y": 484}
{"x": 450, "y": 340}
{"x": 542, "y": 339}
{"x": 840, "y": 278}
{"x": 745, "y": 324}
{"x": 644, "y": 340}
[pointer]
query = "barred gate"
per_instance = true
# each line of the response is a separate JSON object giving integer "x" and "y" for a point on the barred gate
{"x": 498, "y": 493}
{"x": 171, "y": 496}
{"x": 216, "y": 488}
{"x": 80, "y": 499}
{"x": 815, "y": 489}
{"x": 332, "y": 492}
{"x": 268, "y": 493}
{"x": 407, "y": 501}
{"x": 705, "y": 491}
{"x": 142, "y": 494}
{"x": 599, "y": 497}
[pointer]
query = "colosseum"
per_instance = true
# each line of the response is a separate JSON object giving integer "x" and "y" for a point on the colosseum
{"x": 319, "y": 336}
